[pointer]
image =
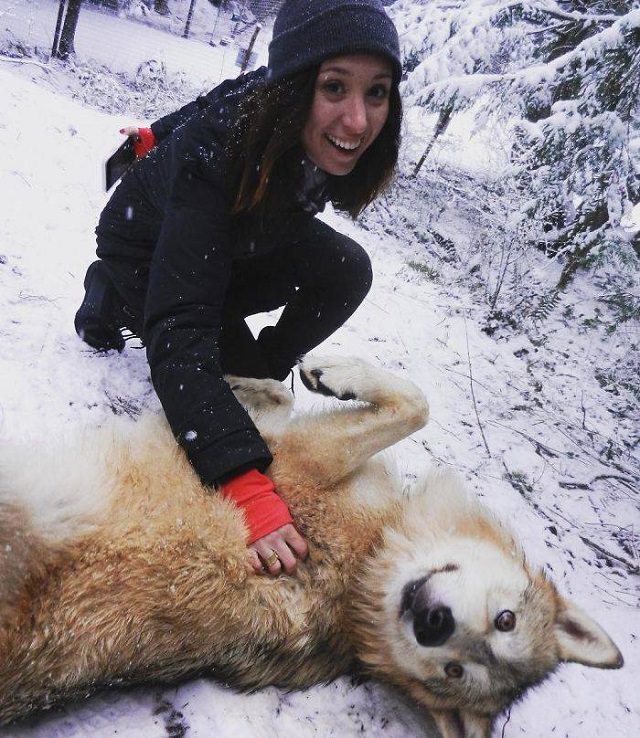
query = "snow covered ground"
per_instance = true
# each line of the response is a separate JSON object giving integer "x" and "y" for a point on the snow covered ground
{"x": 527, "y": 437}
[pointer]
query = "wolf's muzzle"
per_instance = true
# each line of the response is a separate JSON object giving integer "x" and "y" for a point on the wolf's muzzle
{"x": 433, "y": 622}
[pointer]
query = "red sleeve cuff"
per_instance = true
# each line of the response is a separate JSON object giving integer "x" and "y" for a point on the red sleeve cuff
{"x": 255, "y": 495}
{"x": 144, "y": 142}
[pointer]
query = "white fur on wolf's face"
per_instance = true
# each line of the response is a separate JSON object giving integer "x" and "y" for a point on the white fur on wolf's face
{"x": 476, "y": 663}
{"x": 449, "y": 611}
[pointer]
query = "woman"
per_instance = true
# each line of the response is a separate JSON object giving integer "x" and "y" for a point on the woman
{"x": 216, "y": 223}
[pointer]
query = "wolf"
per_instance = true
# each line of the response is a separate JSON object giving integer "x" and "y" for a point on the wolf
{"x": 118, "y": 567}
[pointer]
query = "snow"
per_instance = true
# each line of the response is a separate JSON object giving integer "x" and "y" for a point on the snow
{"x": 528, "y": 438}
{"x": 632, "y": 221}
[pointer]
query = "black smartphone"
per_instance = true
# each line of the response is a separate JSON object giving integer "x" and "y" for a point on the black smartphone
{"x": 118, "y": 163}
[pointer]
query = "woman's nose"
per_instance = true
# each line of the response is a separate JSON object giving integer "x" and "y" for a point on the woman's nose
{"x": 355, "y": 115}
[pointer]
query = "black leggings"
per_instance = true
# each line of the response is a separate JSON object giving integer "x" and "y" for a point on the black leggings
{"x": 320, "y": 278}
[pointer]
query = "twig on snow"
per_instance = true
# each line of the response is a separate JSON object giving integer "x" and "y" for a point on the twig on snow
{"x": 543, "y": 451}
{"x": 24, "y": 60}
{"x": 626, "y": 481}
{"x": 506, "y": 722}
{"x": 465, "y": 376}
{"x": 473, "y": 394}
{"x": 630, "y": 566}
{"x": 574, "y": 485}
{"x": 35, "y": 298}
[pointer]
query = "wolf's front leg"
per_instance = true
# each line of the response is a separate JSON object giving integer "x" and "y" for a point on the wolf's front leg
{"x": 331, "y": 445}
{"x": 267, "y": 401}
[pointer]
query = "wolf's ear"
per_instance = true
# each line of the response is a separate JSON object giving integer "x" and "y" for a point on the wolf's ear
{"x": 582, "y": 640}
{"x": 461, "y": 724}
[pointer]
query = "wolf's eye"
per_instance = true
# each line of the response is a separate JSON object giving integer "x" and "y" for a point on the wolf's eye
{"x": 505, "y": 621}
{"x": 453, "y": 670}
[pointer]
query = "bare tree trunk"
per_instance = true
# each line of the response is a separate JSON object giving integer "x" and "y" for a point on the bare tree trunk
{"x": 441, "y": 126}
{"x": 189, "y": 17}
{"x": 247, "y": 56}
{"x": 56, "y": 36}
{"x": 65, "y": 47}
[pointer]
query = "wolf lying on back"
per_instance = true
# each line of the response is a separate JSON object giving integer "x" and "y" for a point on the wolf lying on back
{"x": 117, "y": 567}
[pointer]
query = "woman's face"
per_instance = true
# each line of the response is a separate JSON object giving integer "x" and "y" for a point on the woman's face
{"x": 349, "y": 109}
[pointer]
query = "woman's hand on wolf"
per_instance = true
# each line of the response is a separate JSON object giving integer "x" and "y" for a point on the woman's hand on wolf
{"x": 274, "y": 544}
{"x": 287, "y": 545}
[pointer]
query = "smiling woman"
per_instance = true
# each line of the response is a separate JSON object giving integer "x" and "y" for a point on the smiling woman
{"x": 215, "y": 222}
{"x": 350, "y": 107}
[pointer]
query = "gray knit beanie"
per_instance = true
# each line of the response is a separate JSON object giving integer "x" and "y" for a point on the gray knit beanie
{"x": 306, "y": 32}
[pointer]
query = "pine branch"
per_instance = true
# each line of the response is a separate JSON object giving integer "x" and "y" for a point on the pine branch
{"x": 468, "y": 86}
{"x": 575, "y": 16}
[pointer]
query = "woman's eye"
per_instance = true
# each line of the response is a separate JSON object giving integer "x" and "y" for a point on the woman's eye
{"x": 454, "y": 670}
{"x": 333, "y": 87}
{"x": 379, "y": 92}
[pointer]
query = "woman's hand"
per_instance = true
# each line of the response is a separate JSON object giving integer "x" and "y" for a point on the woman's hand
{"x": 131, "y": 131}
{"x": 277, "y": 551}
{"x": 143, "y": 139}
{"x": 274, "y": 544}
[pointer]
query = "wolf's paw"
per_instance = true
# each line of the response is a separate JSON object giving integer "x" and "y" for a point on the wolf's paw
{"x": 334, "y": 377}
{"x": 354, "y": 379}
{"x": 259, "y": 394}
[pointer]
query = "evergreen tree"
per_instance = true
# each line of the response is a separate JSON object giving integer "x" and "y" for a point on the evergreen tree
{"x": 569, "y": 73}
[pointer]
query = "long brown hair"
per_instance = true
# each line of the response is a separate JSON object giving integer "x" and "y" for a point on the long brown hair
{"x": 265, "y": 145}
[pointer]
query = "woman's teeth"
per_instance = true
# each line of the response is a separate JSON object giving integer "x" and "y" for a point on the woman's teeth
{"x": 344, "y": 145}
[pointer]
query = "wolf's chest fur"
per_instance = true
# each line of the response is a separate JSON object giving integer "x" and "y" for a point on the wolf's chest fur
{"x": 160, "y": 551}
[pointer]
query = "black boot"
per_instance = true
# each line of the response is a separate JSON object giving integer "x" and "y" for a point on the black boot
{"x": 96, "y": 321}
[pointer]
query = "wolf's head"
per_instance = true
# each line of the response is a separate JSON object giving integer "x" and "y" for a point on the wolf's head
{"x": 449, "y": 610}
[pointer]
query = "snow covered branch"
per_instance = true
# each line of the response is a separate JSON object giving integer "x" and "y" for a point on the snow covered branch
{"x": 569, "y": 91}
{"x": 581, "y": 17}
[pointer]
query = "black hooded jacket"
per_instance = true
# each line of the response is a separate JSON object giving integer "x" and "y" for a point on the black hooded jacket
{"x": 169, "y": 224}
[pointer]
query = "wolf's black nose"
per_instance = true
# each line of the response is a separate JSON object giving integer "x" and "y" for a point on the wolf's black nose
{"x": 434, "y": 626}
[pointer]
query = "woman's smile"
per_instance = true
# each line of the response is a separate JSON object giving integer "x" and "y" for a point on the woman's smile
{"x": 345, "y": 145}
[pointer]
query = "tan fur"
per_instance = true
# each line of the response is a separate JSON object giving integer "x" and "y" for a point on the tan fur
{"x": 155, "y": 585}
